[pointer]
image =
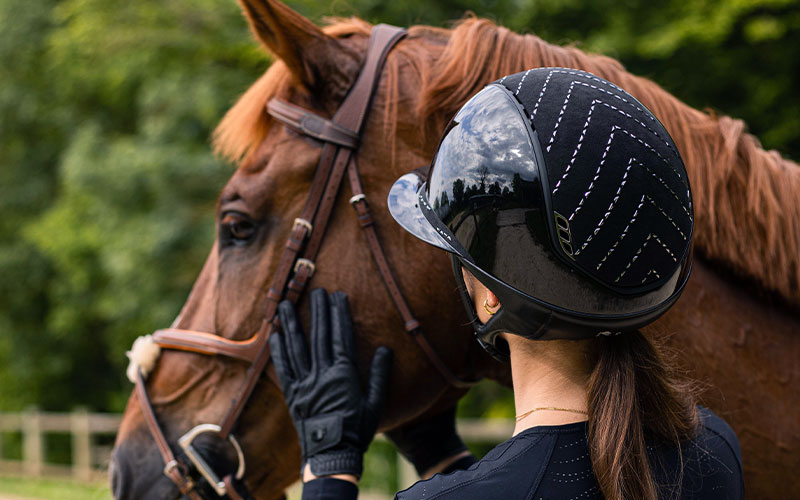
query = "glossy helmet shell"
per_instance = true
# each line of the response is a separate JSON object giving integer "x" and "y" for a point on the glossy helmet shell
{"x": 565, "y": 197}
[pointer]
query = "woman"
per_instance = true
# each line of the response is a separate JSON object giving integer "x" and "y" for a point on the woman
{"x": 566, "y": 209}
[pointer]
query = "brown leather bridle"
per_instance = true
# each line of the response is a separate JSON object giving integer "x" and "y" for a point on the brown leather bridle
{"x": 341, "y": 137}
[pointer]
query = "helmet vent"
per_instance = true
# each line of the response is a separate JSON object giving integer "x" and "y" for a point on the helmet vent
{"x": 564, "y": 234}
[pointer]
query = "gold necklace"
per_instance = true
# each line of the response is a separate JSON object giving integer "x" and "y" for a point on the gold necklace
{"x": 549, "y": 408}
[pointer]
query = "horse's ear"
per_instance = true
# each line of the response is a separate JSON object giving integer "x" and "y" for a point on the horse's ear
{"x": 316, "y": 59}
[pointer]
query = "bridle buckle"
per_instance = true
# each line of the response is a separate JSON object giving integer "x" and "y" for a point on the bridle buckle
{"x": 305, "y": 263}
{"x": 304, "y": 223}
{"x": 203, "y": 468}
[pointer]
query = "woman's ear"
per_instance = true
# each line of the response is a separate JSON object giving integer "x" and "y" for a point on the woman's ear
{"x": 491, "y": 299}
{"x": 467, "y": 276}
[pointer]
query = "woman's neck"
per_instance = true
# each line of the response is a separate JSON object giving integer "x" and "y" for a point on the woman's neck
{"x": 548, "y": 374}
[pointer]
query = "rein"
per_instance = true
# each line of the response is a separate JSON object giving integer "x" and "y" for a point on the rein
{"x": 341, "y": 137}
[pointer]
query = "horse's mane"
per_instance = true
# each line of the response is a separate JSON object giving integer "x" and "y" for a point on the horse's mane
{"x": 747, "y": 200}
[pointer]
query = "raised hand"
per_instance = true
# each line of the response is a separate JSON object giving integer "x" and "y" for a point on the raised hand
{"x": 335, "y": 420}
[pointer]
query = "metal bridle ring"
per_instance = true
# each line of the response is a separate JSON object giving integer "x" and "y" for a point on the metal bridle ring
{"x": 185, "y": 442}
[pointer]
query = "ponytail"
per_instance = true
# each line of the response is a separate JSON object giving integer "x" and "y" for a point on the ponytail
{"x": 633, "y": 395}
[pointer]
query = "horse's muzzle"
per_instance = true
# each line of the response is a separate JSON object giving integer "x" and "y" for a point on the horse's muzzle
{"x": 135, "y": 473}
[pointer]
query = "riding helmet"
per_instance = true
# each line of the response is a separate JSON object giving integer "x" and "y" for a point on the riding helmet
{"x": 566, "y": 198}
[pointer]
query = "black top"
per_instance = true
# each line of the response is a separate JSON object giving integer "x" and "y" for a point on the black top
{"x": 548, "y": 462}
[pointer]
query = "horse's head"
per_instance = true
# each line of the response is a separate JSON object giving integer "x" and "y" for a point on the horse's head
{"x": 254, "y": 217}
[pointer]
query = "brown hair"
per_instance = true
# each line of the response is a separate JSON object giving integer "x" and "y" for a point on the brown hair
{"x": 634, "y": 395}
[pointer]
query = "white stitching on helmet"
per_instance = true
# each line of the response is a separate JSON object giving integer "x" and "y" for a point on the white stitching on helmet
{"x": 618, "y": 110}
{"x": 629, "y": 134}
{"x": 624, "y": 232}
{"x": 611, "y": 206}
{"x": 595, "y": 101}
{"x": 519, "y": 87}
{"x": 638, "y": 252}
{"x": 590, "y": 77}
{"x": 577, "y": 148}
{"x": 544, "y": 88}
{"x": 652, "y": 271}
{"x": 667, "y": 216}
{"x": 616, "y": 198}
{"x": 561, "y": 115}
{"x": 597, "y": 173}
{"x": 688, "y": 214}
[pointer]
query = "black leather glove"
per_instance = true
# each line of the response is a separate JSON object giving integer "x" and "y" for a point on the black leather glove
{"x": 430, "y": 441}
{"x": 334, "y": 421}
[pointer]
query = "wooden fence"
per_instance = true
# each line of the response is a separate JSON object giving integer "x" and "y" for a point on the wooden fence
{"x": 90, "y": 459}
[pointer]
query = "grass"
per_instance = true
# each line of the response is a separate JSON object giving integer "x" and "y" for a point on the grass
{"x": 52, "y": 489}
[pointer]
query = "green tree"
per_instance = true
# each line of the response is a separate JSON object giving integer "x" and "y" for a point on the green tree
{"x": 109, "y": 184}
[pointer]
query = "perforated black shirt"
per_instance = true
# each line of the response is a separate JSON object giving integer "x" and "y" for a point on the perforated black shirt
{"x": 552, "y": 462}
{"x": 549, "y": 462}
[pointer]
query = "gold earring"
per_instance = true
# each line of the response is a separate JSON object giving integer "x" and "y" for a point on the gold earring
{"x": 486, "y": 307}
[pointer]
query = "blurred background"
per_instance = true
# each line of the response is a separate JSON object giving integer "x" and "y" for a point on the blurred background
{"x": 108, "y": 184}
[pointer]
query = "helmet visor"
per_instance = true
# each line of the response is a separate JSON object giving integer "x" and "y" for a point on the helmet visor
{"x": 485, "y": 155}
{"x": 485, "y": 159}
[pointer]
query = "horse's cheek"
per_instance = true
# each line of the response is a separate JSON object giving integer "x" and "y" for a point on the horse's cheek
{"x": 272, "y": 447}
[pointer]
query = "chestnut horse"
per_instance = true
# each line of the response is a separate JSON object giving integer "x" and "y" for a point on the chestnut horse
{"x": 735, "y": 328}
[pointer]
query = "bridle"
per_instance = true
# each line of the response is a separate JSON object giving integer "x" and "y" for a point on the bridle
{"x": 341, "y": 138}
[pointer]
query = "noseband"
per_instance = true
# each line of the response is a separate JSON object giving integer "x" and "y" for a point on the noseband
{"x": 341, "y": 138}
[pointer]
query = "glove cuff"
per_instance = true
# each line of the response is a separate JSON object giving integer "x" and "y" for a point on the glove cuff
{"x": 348, "y": 461}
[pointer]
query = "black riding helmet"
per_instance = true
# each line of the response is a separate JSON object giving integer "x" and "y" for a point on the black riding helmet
{"x": 566, "y": 198}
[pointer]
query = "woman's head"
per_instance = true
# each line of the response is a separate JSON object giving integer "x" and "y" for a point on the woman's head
{"x": 566, "y": 198}
{"x": 567, "y": 212}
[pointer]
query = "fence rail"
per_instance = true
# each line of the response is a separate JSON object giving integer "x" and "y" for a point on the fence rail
{"x": 90, "y": 459}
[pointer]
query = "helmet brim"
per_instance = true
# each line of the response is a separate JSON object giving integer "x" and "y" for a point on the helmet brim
{"x": 403, "y": 203}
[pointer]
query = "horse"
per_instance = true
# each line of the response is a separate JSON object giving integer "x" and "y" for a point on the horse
{"x": 735, "y": 328}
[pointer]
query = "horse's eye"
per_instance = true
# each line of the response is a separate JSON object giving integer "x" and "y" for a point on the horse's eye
{"x": 236, "y": 228}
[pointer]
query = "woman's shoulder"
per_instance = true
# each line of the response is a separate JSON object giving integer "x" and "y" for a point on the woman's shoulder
{"x": 711, "y": 462}
{"x": 716, "y": 432}
{"x": 513, "y": 469}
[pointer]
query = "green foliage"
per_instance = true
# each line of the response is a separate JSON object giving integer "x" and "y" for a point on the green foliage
{"x": 107, "y": 183}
